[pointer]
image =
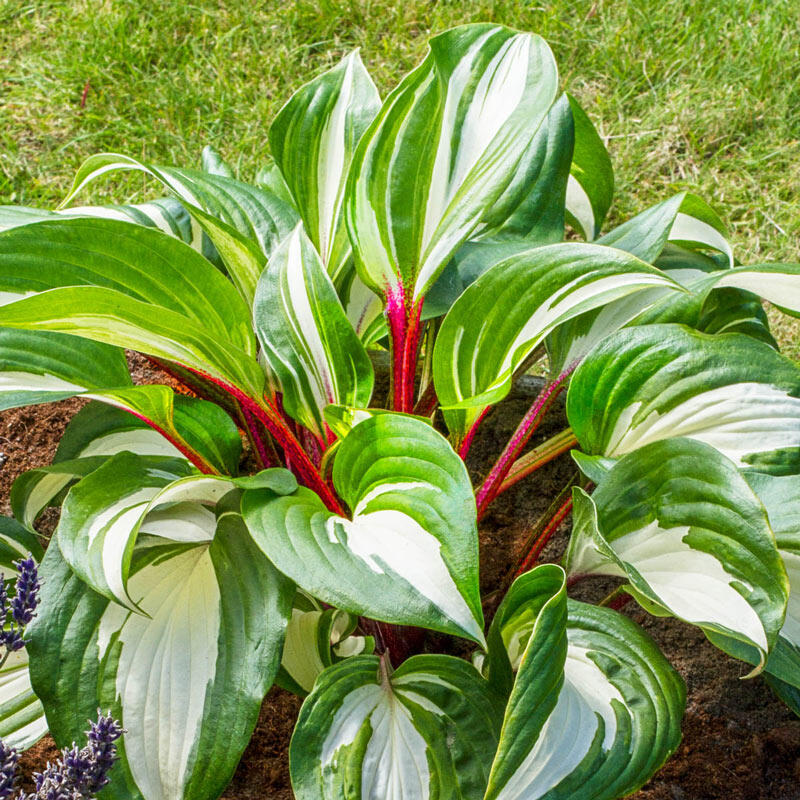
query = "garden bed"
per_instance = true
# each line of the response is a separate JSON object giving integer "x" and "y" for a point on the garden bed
{"x": 739, "y": 743}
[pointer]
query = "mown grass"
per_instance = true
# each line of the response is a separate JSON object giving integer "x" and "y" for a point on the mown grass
{"x": 688, "y": 93}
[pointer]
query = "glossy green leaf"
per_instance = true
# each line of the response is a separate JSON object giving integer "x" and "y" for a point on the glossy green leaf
{"x": 502, "y": 317}
{"x": 105, "y": 513}
{"x": 313, "y": 138}
{"x": 532, "y": 207}
{"x": 427, "y": 730}
{"x": 409, "y": 555}
{"x": 244, "y": 222}
{"x": 477, "y": 101}
{"x": 317, "y": 638}
{"x": 591, "y": 182}
{"x": 653, "y": 382}
{"x": 306, "y": 338}
{"x": 213, "y": 628}
{"x": 677, "y": 520}
{"x": 781, "y": 498}
{"x": 595, "y": 708}
{"x": 213, "y": 163}
{"x": 42, "y": 367}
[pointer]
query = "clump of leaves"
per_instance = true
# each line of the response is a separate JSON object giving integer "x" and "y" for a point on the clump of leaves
{"x": 180, "y": 585}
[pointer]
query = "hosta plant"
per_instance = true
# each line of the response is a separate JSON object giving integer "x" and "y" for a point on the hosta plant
{"x": 187, "y": 575}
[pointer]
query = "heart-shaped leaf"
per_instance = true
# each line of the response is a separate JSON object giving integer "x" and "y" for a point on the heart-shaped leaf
{"x": 409, "y": 555}
{"x": 186, "y": 678}
{"x": 681, "y": 524}
{"x": 595, "y": 708}
{"x": 653, "y": 382}
{"x": 427, "y": 730}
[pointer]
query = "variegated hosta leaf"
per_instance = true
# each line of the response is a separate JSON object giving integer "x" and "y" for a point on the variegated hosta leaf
{"x": 427, "y": 730}
{"x": 409, "y": 555}
{"x": 104, "y": 514}
{"x": 312, "y": 139}
{"x": 99, "y": 431}
{"x": 22, "y": 721}
{"x": 781, "y": 498}
{"x": 679, "y": 522}
{"x": 595, "y": 708}
{"x": 244, "y": 222}
{"x": 128, "y": 286}
{"x": 342, "y": 419}
{"x": 186, "y": 678}
{"x": 477, "y": 101}
{"x": 363, "y": 308}
{"x": 42, "y": 367}
{"x": 306, "y": 338}
{"x": 591, "y": 182}
{"x": 507, "y": 312}
{"x": 317, "y": 638}
{"x": 532, "y": 207}
{"x": 697, "y": 225}
{"x": 646, "y": 236}
{"x": 654, "y": 382}
{"x": 736, "y": 311}
{"x": 213, "y": 163}
{"x": 165, "y": 213}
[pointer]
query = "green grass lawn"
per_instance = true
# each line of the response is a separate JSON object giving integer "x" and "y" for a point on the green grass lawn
{"x": 688, "y": 93}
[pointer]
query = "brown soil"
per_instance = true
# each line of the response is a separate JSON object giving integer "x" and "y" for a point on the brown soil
{"x": 739, "y": 743}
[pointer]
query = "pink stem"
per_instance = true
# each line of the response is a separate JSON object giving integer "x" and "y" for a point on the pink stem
{"x": 270, "y": 418}
{"x": 195, "y": 458}
{"x": 463, "y": 451}
{"x": 529, "y": 423}
{"x": 405, "y": 333}
{"x": 264, "y": 457}
{"x": 544, "y": 537}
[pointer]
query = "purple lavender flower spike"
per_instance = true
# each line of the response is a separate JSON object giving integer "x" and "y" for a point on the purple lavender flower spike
{"x": 102, "y": 735}
{"x": 23, "y": 606}
{"x": 80, "y": 772}
{"x": 8, "y": 770}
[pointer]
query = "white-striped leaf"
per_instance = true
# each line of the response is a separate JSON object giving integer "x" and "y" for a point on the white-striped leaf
{"x": 342, "y": 419}
{"x": 306, "y": 339}
{"x": 476, "y": 101}
{"x": 781, "y": 498}
{"x": 43, "y": 367}
{"x": 99, "y": 431}
{"x": 116, "y": 275}
{"x": 507, "y": 312}
{"x": 313, "y": 139}
{"x": 653, "y": 382}
{"x": 186, "y": 678}
{"x": 244, "y": 222}
{"x": 591, "y": 182}
{"x": 533, "y": 206}
{"x": 165, "y": 213}
{"x": 104, "y": 514}
{"x": 409, "y": 555}
{"x": 22, "y": 721}
{"x": 677, "y": 520}
{"x": 698, "y": 225}
{"x": 213, "y": 163}
{"x": 317, "y": 638}
{"x": 595, "y": 708}
{"x": 646, "y": 236}
{"x": 427, "y": 730}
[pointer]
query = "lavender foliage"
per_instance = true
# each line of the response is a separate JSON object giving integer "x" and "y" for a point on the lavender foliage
{"x": 78, "y": 775}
